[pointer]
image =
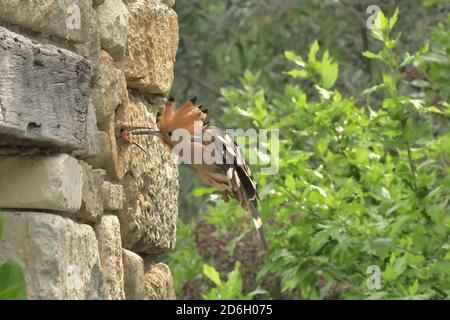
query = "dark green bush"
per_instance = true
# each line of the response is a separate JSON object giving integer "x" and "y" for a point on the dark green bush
{"x": 362, "y": 182}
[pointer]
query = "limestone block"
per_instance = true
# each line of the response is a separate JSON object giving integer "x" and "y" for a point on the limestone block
{"x": 91, "y": 146}
{"x": 151, "y": 48}
{"x": 112, "y": 196}
{"x": 113, "y": 24}
{"x": 158, "y": 282}
{"x": 148, "y": 220}
{"x": 90, "y": 48}
{"x": 112, "y": 157}
{"x": 67, "y": 19}
{"x": 110, "y": 250}
{"x": 133, "y": 267}
{"x": 59, "y": 257}
{"x": 110, "y": 90}
{"x": 91, "y": 139}
{"x": 40, "y": 182}
{"x": 44, "y": 94}
{"x": 92, "y": 194}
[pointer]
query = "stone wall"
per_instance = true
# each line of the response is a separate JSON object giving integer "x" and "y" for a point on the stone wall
{"x": 86, "y": 217}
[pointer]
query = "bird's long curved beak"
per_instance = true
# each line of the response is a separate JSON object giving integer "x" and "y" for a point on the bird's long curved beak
{"x": 140, "y": 147}
{"x": 146, "y": 132}
{"x": 138, "y": 128}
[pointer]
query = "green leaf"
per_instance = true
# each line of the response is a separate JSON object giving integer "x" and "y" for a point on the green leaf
{"x": 234, "y": 282}
{"x": 290, "y": 182}
{"x": 325, "y": 94}
{"x": 414, "y": 288}
{"x": 329, "y": 74}
{"x": 373, "y": 89}
{"x": 435, "y": 110}
{"x": 389, "y": 84}
{"x": 322, "y": 146}
{"x": 212, "y": 274}
{"x": 393, "y": 19}
{"x": 370, "y": 55}
{"x": 313, "y": 52}
{"x": 12, "y": 281}
{"x": 380, "y": 25}
{"x": 245, "y": 113}
{"x": 291, "y": 56}
{"x": 407, "y": 60}
{"x": 395, "y": 268}
{"x": 319, "y": 239}
{"x": 382, "y": 246}
{"x": 258, "y": 291}
{"x": 297, "y": 73}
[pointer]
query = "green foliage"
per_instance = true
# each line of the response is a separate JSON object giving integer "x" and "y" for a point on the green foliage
{"x": 186, "y": 264}
{"x": 230, "y": 290}
{"x": 359, "y": 184}
{"x": 12, "y": 281}
{"x": 429, "y": 3}
{"x": 324, "y": 72}
{"x": 220, "y": 40}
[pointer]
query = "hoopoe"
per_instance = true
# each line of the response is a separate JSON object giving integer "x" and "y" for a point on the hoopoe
{"x": 232, "y": 175}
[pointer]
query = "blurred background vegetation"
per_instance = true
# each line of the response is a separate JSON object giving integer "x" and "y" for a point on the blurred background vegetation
{"x": 364, "y": 156}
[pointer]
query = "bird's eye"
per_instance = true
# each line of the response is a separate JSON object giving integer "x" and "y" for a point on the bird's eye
{"x": 122, "y": 129}
{"x": 170, "y": 134}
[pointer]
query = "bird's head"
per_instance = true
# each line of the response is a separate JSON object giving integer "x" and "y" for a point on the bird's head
{"x": 167, "y": 121}
{"x": 124, "y": 134}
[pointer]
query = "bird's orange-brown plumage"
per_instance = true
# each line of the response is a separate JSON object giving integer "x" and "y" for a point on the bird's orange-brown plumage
{"x": 231, "y": 175}
{"x": 234, "y": 178}
{"x": 183, "y": 118}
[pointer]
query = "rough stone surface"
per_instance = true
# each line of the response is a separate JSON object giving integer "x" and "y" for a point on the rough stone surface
{"x": 97, "y": 3}
{"x": 113, "y": 23}
{"x": 59, "y": 257}
{"x": 169, "y": 3}
{"x": 133, "y": 267}
{"x": 152, "y": 46}
{"x": 73, "y": 196}
{"x": 92, "y": 195}
{"x": 110, "y": 250}
{"x": 113, "y": 196}
{"x": 158, "y": 282}
{"x": 44, "y": 93}
{"x": 40, "y": 182}
{"x": 91, "y": 146}
{"x": 148, "y": 220}
{"x": 110, "y": 97}
{"x": 110, "y": 90}
{"x": 91, "y": 141}
{"x": 67, "y": 19}
{"x": 112, "y": 157}
{"x": 90, "y": 48}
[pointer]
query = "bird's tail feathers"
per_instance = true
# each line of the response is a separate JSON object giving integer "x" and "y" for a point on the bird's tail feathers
{"x": 258, "y": 224}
